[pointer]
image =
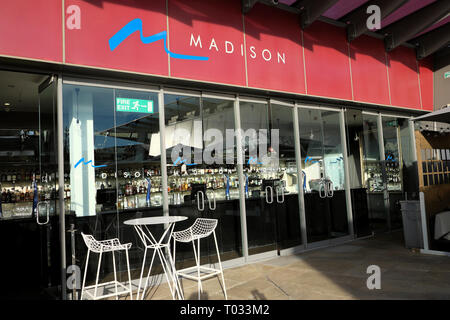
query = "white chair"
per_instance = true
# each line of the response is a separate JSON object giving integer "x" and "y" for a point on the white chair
{"x": 101, "y": 247}
{"x": 201, "y": 228}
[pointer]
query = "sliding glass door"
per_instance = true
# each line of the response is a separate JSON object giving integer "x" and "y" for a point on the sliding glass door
{"x": 112, "y": 169}
{"x": 323, "y": 174}
{"x": 271, "y": 177}
{"x": 202, "y": 170}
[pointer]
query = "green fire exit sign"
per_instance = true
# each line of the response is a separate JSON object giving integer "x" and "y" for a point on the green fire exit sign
{"x": 447, "y": 75}
{"x": 392, "y": 123}
{"x": 134, "y": 105}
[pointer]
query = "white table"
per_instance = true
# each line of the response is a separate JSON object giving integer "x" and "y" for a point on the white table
{"x": 149, "y": 241}
{"x": 442, "y": 225}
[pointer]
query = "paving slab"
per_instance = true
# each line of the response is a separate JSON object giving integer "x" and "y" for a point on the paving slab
{"x": 334, "y": 273}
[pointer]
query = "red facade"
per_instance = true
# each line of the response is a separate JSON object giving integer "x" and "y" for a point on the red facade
{"x": 31, "y": 29}
{"x": 100, "y": 20}
{"x": 404, "y": 78}
{"x": 369, "y": 72}
{"x": 201, "y": 28}
{"x": 265, "y": 49}
{"x": 274, "y": 48}
{"x": 426, "y": 83}
{"x": 327, "y": 61}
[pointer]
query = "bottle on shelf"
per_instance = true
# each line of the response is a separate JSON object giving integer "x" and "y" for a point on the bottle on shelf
{"x": 4, "y": 195}
{"x": 13, "y": 195}
{"x": 22, "y": 194}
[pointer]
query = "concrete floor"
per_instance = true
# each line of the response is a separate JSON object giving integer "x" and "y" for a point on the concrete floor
{"x": 338, "y": 272}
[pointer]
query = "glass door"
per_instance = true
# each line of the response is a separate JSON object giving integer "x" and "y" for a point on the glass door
{"x": 112, "y": 171}
{"x": 261, "y": 176}
{"x": 323, "y": 174}
{"x": 382, "y": 146}
{"x": 29, "y": 225}
{"x": 286, "y": 205}
{"x": 362, "y": 146}
{"x": 202, "y": 170}
{"x": 45, "y": 197}
{"x": 271, "y": 190}
{"x": 394, "y": 165}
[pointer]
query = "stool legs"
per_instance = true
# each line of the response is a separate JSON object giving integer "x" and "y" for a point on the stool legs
{"x": 197, "y": 256}
{"x": 83, "y": 288}
{"x": 98, "y": 273}
{"x": 220, "y": 266}
{"x": 85, "y": 271}
{"x": 142, "y": 272}
{"x": 175, "y": 274}
{"x": 197, "y": 263}
{"x": 115, "y": 274}
{"x": 129, "y": 274}
{"x": 148, "y": 274}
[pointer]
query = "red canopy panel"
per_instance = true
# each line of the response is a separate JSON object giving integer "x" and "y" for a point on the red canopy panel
{"x": 31, "y": 29}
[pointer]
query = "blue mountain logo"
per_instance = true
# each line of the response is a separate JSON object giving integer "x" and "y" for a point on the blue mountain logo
{"x": 136, "y": 25}
{"x": 179, "y": 160}
{"x": 86, "y": 163}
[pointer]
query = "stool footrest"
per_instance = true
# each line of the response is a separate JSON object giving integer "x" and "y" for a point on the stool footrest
{"x": 127, "y": 290}
{"x": 209, "y": 272}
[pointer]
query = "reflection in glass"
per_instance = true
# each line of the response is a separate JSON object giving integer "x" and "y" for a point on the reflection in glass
{"x": 323, "y": 174}
{"x": 137, "y": 148}
{"x": 271, "y": 190}
{"x": 89, "y": 135}
{"x": 114, "y": 133}
{"x": 287, "y": 213}
{"x": 201, "y": 182}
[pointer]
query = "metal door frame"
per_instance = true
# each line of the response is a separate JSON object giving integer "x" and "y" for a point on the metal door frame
{"x": 351, "y": 235}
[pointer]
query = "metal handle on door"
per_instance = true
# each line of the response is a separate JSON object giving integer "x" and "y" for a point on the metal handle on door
{"x": 199, "y": 207}
{"x": 322, "y": 186}
{"x": 330, "y": 191}
{"x": 47, "y": 205}
{"x": 267, "y": 194}
{"x": 282, "y": 195}
{"x": 212, "y": 208}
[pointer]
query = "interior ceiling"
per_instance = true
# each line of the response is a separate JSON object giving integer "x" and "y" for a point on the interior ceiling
{"x": 20, "y": 90}
{"x": 343, "y": 7}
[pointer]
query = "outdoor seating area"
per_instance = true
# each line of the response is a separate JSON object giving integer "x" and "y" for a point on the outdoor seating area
{"x": 224, "y": 150}
{"x": 201, "y": 228}
{"x": 334, "y": 273}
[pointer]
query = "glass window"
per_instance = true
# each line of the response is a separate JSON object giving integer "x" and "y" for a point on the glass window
{"x": 371, "y": 154}
{"x": 202, "y": 182}
{"x": 89, "y": 147}
{"x": 311, "y": 140}
{"x": 112, "y": 163}
{"x": 288, "y": 212}
{"x": 393, "y": 157}
{"x": 137, "y": 147}
{"x": 323, "y": 174}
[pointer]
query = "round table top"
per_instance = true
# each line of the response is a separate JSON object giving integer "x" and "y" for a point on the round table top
{"x": 154, "y": 220}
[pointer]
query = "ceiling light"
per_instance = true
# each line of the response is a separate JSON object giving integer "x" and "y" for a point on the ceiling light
{"x": 7, "y": 104}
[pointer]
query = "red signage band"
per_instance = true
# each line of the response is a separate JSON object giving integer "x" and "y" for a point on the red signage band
{"x": 212, "y": 41}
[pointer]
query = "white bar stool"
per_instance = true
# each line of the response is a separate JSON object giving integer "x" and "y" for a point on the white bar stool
{"x": 201, "y": 228}
{"x": 101, "y": 247}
